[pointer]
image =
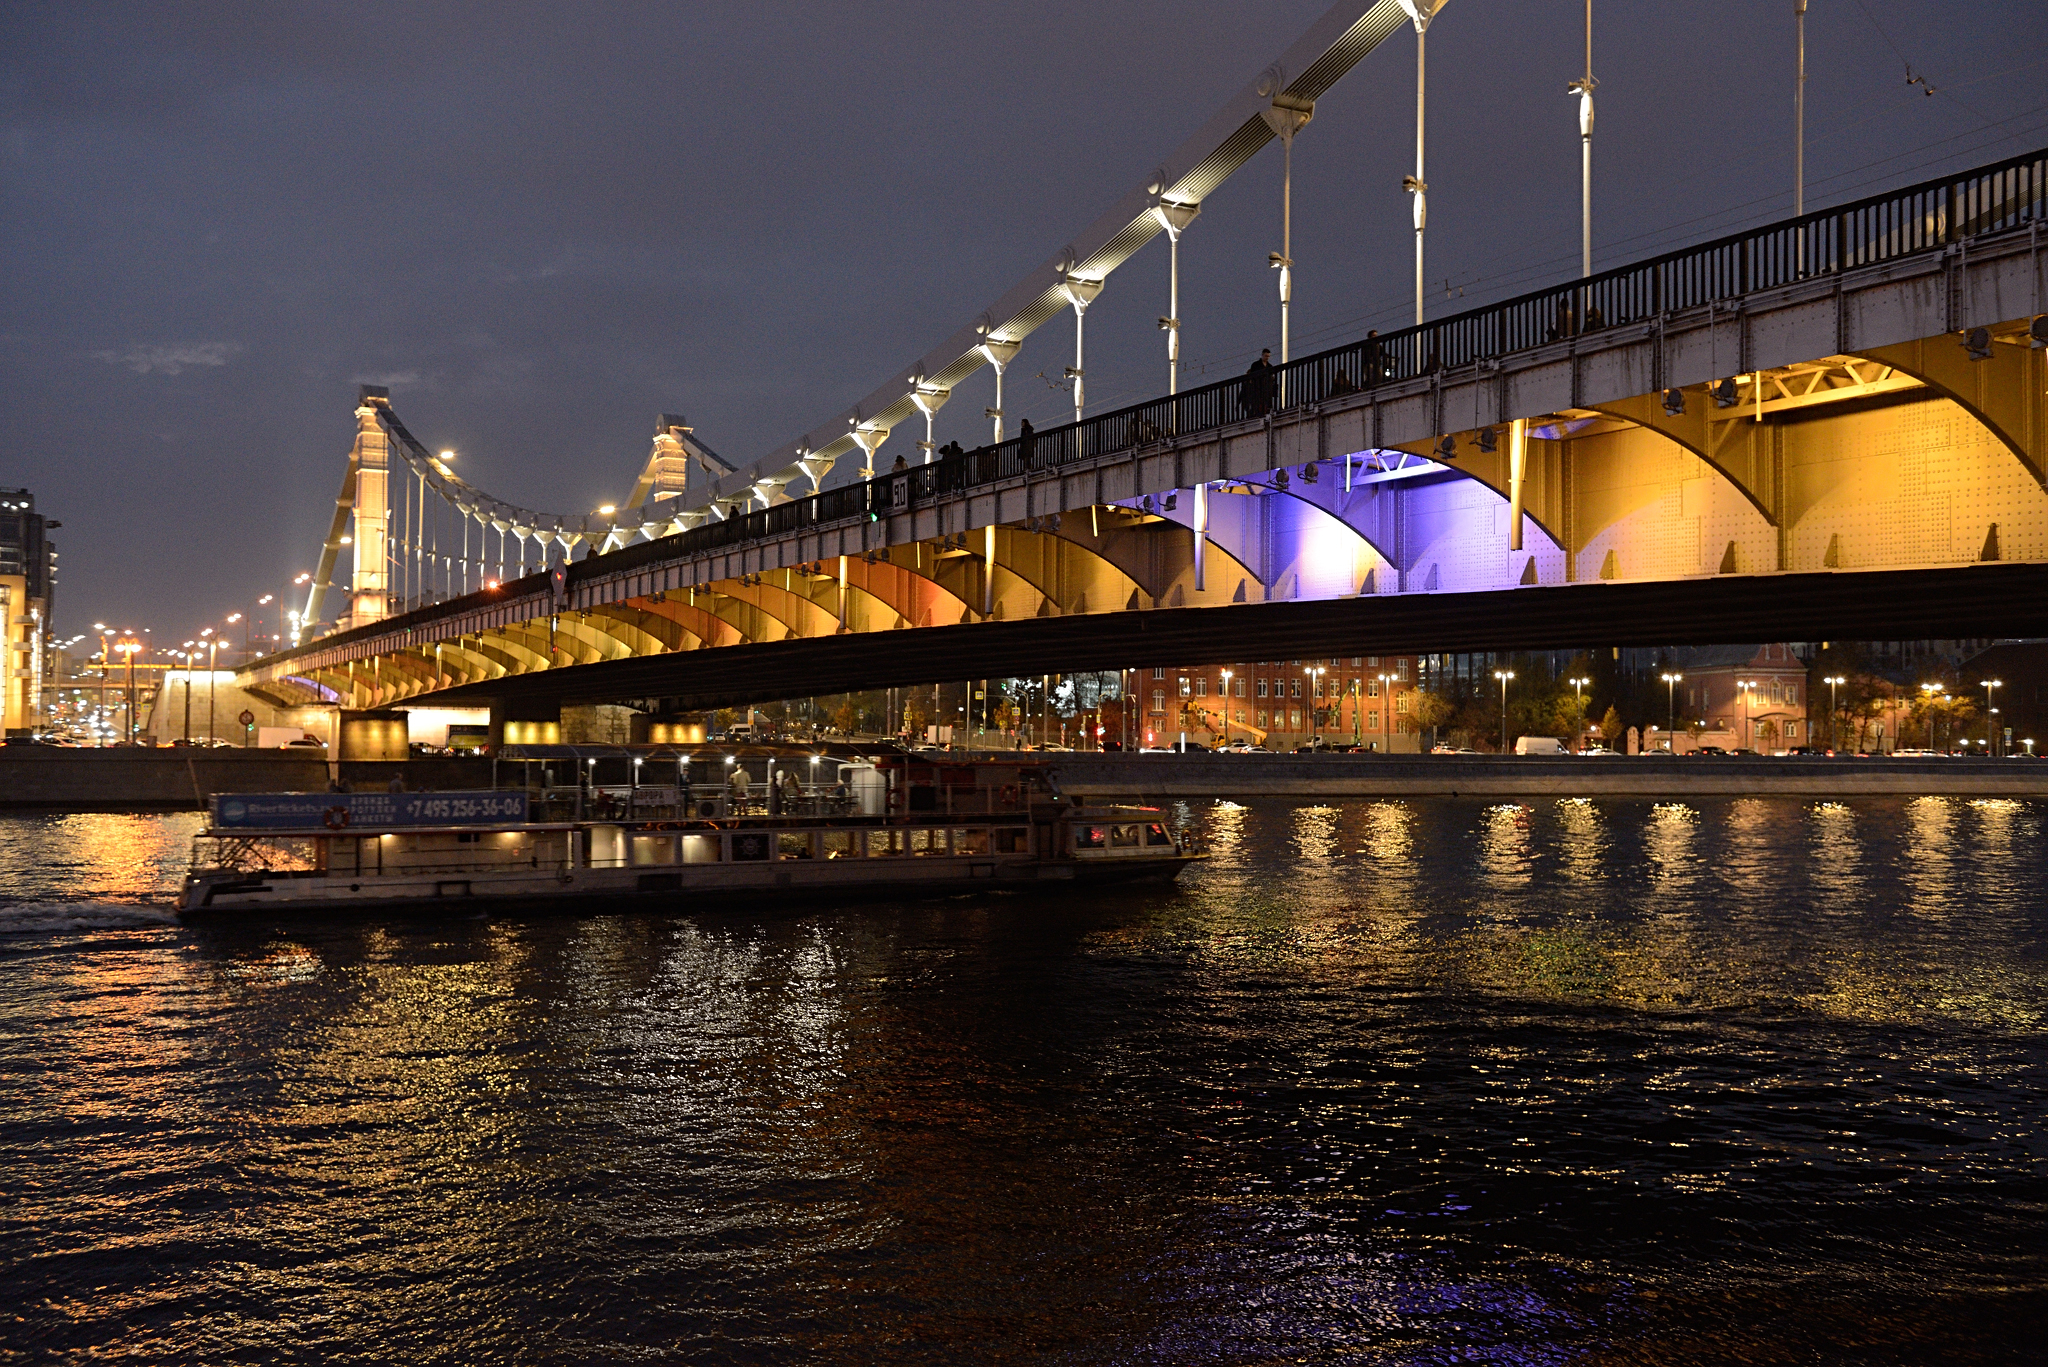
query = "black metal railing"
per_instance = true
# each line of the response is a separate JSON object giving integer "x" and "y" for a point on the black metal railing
{"x": 1927, "y": 217}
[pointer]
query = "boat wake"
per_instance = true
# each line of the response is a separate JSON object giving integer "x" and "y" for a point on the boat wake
{"x": 42, "y": 918}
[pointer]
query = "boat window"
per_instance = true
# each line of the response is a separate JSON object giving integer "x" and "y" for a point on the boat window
{"x": 793, "y": 845}
{"x": 653, "y": 849}
{"x": 752, "y": 845}
{"x": 971, "y": 841}
{"x": 700, "y": 849}
{"x": 1013, "y": 840}
{"x": 1155, "y": 834}
{"x": 922, "y": 842}
{"x": 838, "y": 844}
{"x": 1123, "y": 836}
{"x": 1090, "y": 837}
{"x": 884, "y": 844}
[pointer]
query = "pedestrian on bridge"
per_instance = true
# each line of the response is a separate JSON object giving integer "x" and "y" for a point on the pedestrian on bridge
{"x": 1027, "y": 443}
{"x": 1256, "y": 394}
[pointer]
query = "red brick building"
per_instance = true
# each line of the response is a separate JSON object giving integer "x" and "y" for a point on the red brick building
{"x": 1358, "y": 699}
{"x": 1754, "y": 693}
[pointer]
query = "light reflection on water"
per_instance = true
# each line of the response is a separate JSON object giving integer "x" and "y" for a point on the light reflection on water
{"x": 1383, "y": 1081}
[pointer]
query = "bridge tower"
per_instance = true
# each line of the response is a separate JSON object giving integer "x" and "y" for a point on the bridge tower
{"x": 369, "y": 598}
{"x": 365, "y": 500}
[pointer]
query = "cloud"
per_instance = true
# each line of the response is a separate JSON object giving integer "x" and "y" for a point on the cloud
{"x": 170, "y": 360}
{"x": 391, "y": 379}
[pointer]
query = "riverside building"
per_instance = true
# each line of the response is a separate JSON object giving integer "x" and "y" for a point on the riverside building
{"x": 28, "y": 590}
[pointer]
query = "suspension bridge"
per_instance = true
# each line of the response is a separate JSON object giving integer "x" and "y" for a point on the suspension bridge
{"x": 1832, "y": 426}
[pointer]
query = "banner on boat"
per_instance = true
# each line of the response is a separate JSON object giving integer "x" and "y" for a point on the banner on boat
{"x": 342, "y": 811}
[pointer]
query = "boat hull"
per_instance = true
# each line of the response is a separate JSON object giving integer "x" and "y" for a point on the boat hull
{"x": 214, "y": 897}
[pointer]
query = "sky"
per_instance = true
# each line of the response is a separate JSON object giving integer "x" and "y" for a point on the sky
{"x": 541, "y": 225}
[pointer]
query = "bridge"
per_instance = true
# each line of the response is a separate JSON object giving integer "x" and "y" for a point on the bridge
{"x": 1833, "y": 426}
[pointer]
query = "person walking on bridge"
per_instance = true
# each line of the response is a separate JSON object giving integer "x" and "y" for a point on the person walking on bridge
{"x": 1027, "y": 444}
{"x": 1257, "y": 392}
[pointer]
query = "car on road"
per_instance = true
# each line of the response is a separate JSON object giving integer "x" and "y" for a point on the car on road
{"x": 1601, "y": 751}
{"x": 1452, "y": 750}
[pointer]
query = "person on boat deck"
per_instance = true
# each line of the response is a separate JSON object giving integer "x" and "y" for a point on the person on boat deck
{"x": 739, "y": 786}
{"x": 792, "y": 791}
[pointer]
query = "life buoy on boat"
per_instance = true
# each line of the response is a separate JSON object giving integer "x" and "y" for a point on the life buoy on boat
{"x": 335, "y": 818}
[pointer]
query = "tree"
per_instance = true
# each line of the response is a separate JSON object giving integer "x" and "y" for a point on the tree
{"x": 1425, "y": 709}
{"x": 915, "y": 713}
{"x": 1611, "y": 729}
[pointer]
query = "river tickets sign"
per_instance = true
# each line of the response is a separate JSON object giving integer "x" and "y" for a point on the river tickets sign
{"x": 376, "y": 811}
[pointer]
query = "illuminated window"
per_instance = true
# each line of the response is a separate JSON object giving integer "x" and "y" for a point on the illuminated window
{"x": 1184, "y": 685}
{"x": 1262, "y": 690}
{"x": 1294, "y": 719}
{"x": 1297, "y": 688}
{"x": 1260, "y": 721}
{"x": 1372, "y": 719}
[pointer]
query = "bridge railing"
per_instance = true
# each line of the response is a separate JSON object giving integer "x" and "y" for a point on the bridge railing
{"x": 1923, "y": 218}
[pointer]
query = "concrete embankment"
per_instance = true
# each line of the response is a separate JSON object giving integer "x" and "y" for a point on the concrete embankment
{"x": 123, "y": 779}
{"x": 1511, "y": 776}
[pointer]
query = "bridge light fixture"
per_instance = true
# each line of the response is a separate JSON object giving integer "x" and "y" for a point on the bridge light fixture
{"x": 1724, "y": 393}
{"x": 607, "y": 510}
{"x": 2037, "y": 333}
{"x": 1447, "y": 449}
{"x": 1489, "y": 440}
{"x": 1674, "y": 402}
{"x": 1977, "y": 341}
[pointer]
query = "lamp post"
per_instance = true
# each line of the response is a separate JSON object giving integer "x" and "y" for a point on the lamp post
{"x": 212, "y": 682}
{"x": 1174, "y": 218}
{"x": 1798, "y": 116}
{"x": 1990, "y": 713}
{"x": 128, "y": 648}
{"x": 1387, "y": 708}
{"x": 1420, "y": 12}
{"x": 1834, "y": 683}
{"x": 1932, "y": 692}
{"x": 186, "y": 655}
{"x": 1579, "y": 682}
{"x": 1583, "y": 88}
{"x": 1503, "y": 675}
{"x": 1671, "y": 702}
{"x": 1226, "y": 705}
{"x": 1745, "y": 685}
{"x": 1315, "y": 691}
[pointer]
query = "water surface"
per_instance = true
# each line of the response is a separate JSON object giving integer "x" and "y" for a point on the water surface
{"x": 1383, "y": 1082}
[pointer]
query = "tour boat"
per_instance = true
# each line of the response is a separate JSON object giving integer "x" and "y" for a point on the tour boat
{"x": 898, "y": 826}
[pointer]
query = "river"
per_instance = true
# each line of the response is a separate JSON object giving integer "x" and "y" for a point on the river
{"x": 1381, "y": 1082}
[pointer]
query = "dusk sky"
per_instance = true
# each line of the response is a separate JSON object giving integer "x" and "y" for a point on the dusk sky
{"x": 541, "y": 225}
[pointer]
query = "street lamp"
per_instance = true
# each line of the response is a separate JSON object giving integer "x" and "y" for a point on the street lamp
{"x": 1387, "y": 708}
{"x": 128, "y": 648}
{"x": 1315, "y": 674}
{"x": 1503, "y": 675}
{"x": 1931, "y": 690}
{"x": 1748, "y": 701}
{"x": 1990, "y": 726}
{"x": 1578, "y": 684}
{"x": 1226, "y": 705}
{"x": 1834, "y": 683}
{"x": 1671, "y": 701}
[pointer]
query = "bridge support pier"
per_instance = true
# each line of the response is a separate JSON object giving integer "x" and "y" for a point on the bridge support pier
{"x": 378, "y": 734}
{"x": 524, "y": 721}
